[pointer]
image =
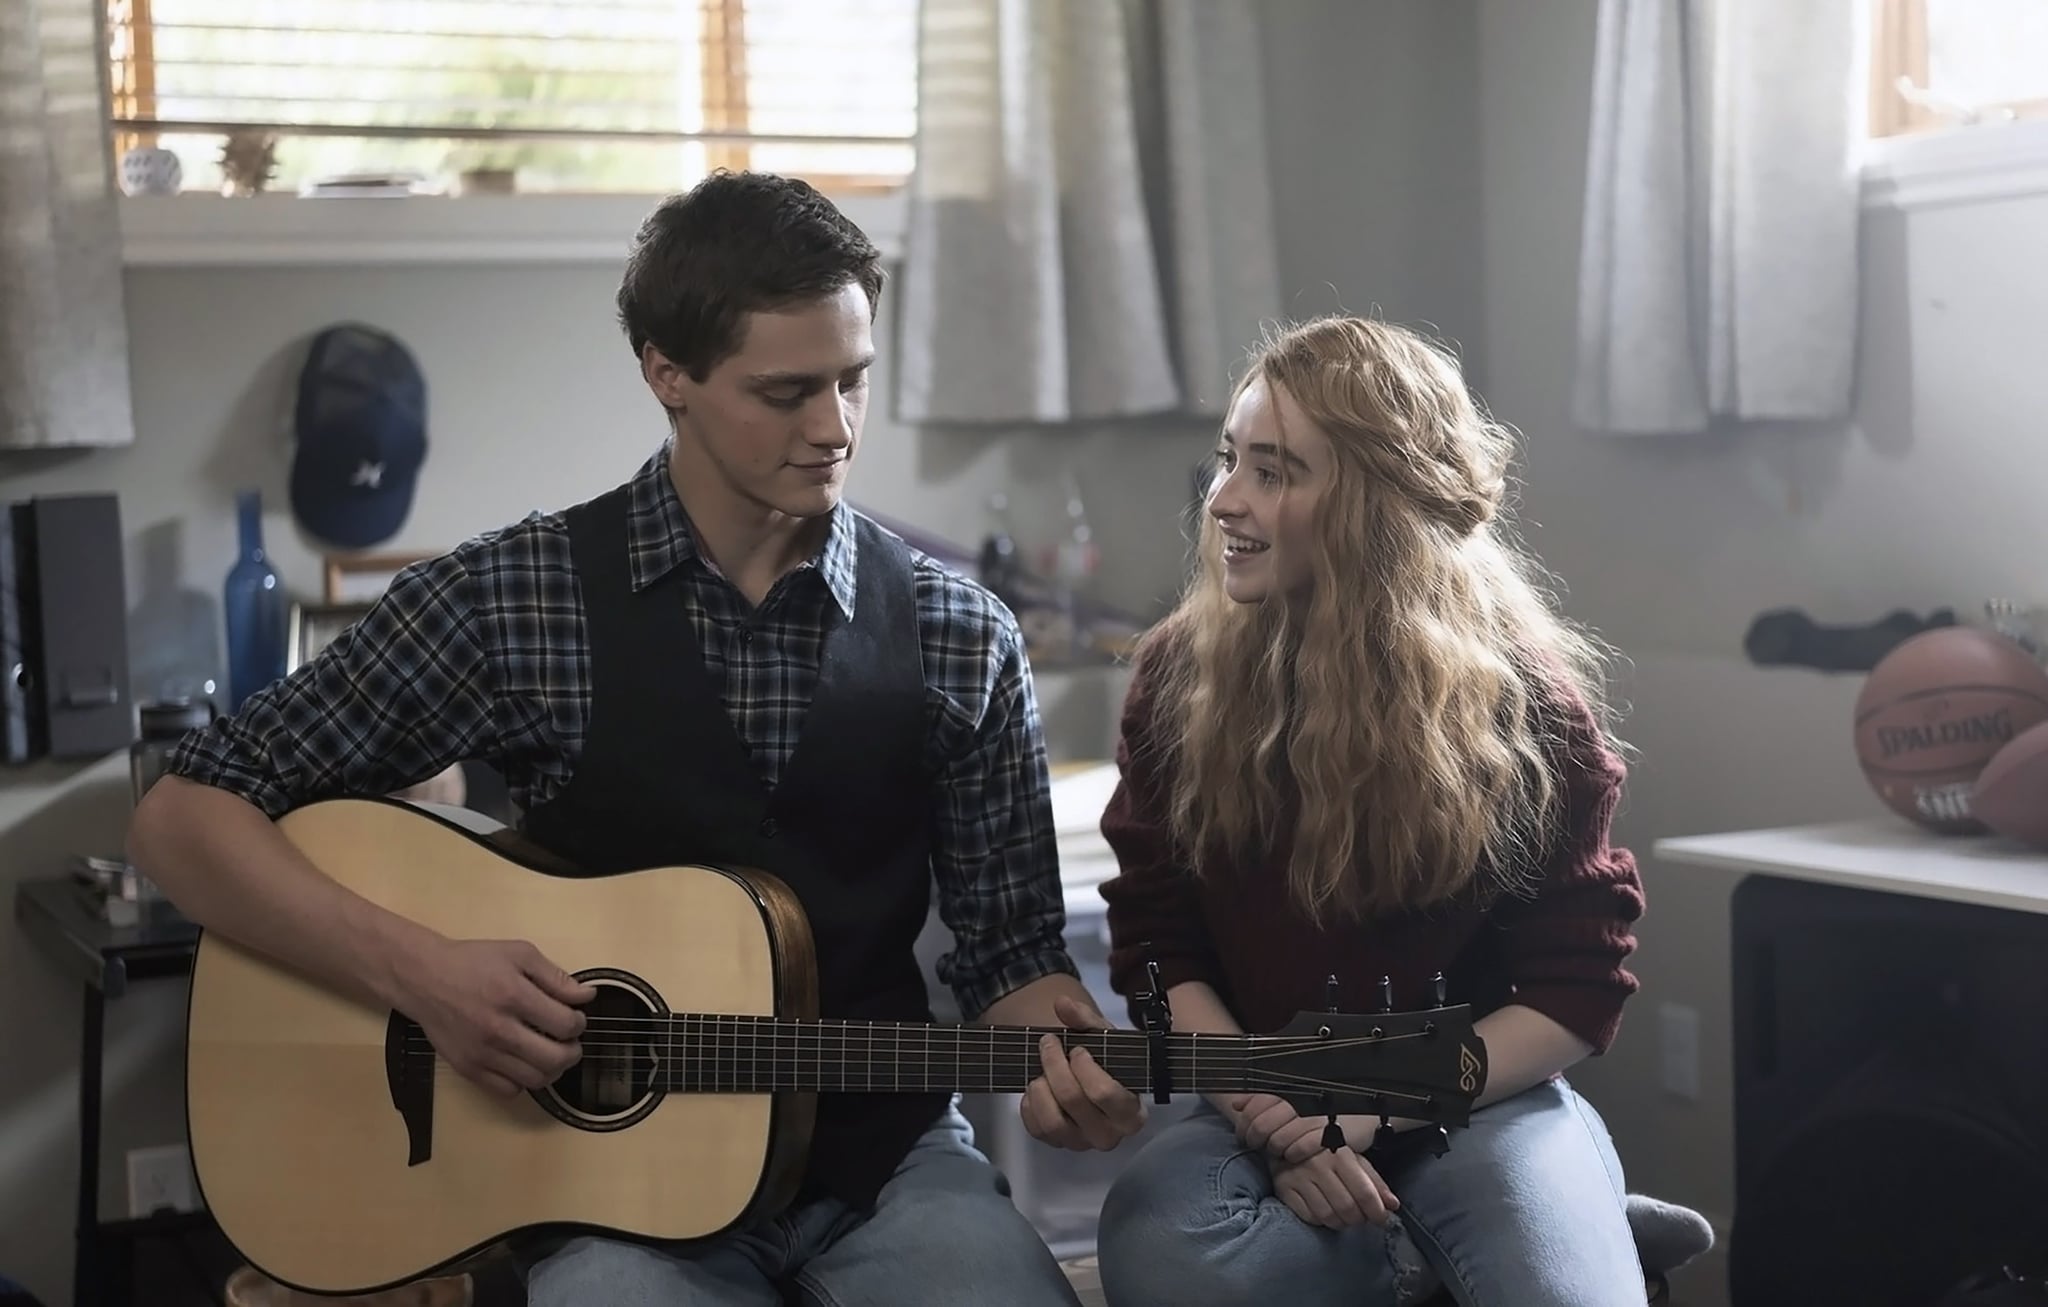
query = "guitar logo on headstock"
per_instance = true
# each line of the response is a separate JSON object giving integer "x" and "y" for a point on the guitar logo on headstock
{"x": 1468, "y": 1069}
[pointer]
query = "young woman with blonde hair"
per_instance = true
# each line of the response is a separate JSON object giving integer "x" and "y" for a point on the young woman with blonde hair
{"x": 1365, "y": 745}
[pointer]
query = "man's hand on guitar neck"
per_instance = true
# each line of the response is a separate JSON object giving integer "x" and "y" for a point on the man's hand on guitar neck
{"x": 1076, "y": 1104}
{"x": 497, "y": 1011}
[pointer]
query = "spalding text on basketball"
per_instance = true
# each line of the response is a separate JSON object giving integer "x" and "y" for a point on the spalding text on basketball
{"x": 1895, "y": 740}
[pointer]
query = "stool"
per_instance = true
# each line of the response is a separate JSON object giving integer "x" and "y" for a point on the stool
{"x": 249, "y": 1287}
{"x": 1087, "y": 1282}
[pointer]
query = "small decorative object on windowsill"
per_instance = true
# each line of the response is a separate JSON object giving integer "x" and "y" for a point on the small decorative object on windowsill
{"x": 151, "y": 170}
{"x": 248, "y": 162}
{"x": 489, "y": 181}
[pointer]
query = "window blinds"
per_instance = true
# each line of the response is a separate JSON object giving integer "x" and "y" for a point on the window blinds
{"x": 575, "y": 94}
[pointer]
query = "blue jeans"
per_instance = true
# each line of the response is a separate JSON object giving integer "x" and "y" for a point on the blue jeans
{"x": 942, "y": 1232}
{"x": 1526, "y": 1210}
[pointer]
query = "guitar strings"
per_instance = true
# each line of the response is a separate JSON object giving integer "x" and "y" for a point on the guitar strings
{"x": 707, "y": 1043}
{"x": 1134, "y": 1064}
{"x": 963, "y": 1043}
{"x": 1126, "y": 1063}
{"x": 1268, "y": 1085}
{"x": 715, "y": 1025}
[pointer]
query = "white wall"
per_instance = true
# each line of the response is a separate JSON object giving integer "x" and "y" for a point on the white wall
{"x": 1931, "y": 496}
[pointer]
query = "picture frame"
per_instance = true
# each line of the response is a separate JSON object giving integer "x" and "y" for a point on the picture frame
{"x": 361, "y": 578}
{"x": 314, "y": 627}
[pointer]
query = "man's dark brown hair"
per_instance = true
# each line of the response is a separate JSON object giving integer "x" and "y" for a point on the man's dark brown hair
{"x": 734, "y": 244}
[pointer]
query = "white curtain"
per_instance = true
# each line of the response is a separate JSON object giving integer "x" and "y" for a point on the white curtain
{"x": 63, "y": 324}
{"x": 1718, "y": 273}
{"x": 1091, "y": 225}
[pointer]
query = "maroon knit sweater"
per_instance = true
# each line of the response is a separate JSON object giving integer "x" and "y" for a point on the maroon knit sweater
{"x": 1558, "y": 947}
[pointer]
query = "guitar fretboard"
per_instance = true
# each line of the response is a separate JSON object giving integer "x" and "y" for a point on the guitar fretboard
{"x": 741, "y": 1054}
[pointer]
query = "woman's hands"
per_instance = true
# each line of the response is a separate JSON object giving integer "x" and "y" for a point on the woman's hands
{"x": 1269, "y": 1124}
{"x": 1334, "y": 1189}
{"x": 1330, "y": 1189}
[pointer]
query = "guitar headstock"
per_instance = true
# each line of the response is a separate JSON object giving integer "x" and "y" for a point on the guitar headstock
{"x": 1426, "y": 1064}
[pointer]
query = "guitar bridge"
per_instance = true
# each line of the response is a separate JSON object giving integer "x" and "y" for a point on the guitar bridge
{"x": 409, "y": 1071}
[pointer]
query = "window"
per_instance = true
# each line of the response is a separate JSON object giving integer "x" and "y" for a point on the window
{"x": 535, "y": 95}
{"x": 1939, "y": 64}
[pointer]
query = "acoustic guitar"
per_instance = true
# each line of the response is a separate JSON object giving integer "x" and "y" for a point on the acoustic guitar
{"x": 339, "y": 1154}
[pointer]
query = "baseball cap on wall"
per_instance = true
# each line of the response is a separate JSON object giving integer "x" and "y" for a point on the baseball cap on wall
{"x": 360, "y": 427}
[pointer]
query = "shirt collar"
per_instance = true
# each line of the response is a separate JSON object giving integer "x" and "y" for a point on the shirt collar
{"x": 659, "y": 538}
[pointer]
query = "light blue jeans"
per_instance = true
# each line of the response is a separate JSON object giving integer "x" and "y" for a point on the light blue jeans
{"x": 943, "y": 1232}
{"x": 1525, "y": 1210}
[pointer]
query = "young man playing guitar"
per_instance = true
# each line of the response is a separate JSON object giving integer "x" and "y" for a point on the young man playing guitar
{"x": 717, "y": 661}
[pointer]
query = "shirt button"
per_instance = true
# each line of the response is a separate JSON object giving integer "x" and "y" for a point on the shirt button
{"x": 746, "y": 635}
{"x": 769, "y": 827}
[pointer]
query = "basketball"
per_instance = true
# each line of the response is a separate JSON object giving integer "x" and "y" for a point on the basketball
{"x": 2011, "y": 796}
{"x": 1934, "y": 711}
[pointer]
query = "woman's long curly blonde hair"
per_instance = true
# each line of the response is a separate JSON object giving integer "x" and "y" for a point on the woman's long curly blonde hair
{"x": 1405, "y": 707}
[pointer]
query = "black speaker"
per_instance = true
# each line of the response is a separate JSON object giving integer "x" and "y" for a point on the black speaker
{"x": 64, "y": 630}
{"x": 1891, "y": 1095}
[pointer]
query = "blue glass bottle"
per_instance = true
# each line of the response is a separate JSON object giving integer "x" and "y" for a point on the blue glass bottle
{"x": 254, "y": 602}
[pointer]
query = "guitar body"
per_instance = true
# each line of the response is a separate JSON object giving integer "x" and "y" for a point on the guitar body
{"x": 316, "y": 1176}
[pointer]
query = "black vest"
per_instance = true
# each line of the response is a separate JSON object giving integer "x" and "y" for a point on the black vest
{"x": 665, "y": 779}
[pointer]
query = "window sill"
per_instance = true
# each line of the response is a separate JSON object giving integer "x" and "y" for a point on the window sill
{"x": 286, "y": 230}
{"x": 1969, "y": 165}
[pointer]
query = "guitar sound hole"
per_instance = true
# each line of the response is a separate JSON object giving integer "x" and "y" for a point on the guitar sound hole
{"x": 617, "y": 1081}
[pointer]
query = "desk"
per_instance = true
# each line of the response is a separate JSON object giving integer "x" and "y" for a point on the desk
{"x": 1883, "y": 981}
{"x": 103, "y": 959}
{"x": 1890, "y": 855}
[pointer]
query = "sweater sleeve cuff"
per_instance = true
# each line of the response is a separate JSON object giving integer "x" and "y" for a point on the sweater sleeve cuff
{"x": 1128, "y": 979}
{"x": 1592, "y": 1012}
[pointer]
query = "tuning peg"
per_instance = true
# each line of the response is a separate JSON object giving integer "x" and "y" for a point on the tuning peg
{"x": 1438, "y": 989}
{"x": 1439, "y": 1140}
{"x": 1386, "y": 994}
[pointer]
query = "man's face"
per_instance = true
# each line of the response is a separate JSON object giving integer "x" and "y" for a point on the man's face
{"x": 779, "y": 419}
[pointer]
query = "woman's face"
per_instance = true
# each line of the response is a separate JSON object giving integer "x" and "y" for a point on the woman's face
{"x": 1265, "y": 494}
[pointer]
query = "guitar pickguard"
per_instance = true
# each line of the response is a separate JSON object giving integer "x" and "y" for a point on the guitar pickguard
{"x": 409, "y": 1070}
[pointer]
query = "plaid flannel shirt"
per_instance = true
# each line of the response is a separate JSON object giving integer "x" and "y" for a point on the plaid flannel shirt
{"x": 482, "y": 654}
